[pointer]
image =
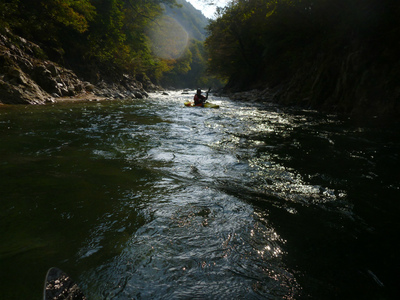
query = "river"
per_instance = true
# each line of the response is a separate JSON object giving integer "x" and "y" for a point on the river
{"x": 148, "y": 199}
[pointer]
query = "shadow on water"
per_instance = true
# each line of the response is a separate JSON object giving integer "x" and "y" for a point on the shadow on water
{"x": 148, "y": 199}
{"x": 330, "y": 188}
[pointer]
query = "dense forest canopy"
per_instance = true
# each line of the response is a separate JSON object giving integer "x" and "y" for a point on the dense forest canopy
{"x": 100, "y": 38}
{"x": 342, "y": 53}
{"x": 190, "y": 18}
{"x": 177, "y": 41}
{"x": 319, "y": 53}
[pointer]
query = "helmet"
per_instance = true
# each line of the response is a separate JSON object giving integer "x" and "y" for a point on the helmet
{"x": 198, "y": 91}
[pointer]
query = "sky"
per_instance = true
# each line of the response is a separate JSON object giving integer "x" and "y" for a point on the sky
{"x": 208, "y": 7}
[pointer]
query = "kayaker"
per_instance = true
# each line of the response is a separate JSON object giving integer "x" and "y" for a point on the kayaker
{"x": 199, "y": 99}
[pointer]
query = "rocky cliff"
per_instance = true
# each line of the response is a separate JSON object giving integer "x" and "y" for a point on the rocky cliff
{"x": 27, "y": 77}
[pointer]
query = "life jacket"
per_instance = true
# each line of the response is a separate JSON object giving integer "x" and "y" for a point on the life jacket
{"x": 198, "y": 99}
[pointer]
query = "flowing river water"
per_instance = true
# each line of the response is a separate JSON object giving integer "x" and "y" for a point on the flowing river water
{"x": 148, "y": 199}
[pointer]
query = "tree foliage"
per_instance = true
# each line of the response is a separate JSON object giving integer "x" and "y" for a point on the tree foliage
{"x": 168, "y": 38}
{"x": 248, "y": 35}
{"x": 101, "y": 36}
{"x": 322, "y": 49}
{"x": 36, "y": 18}
{"x": 190, "y": 18}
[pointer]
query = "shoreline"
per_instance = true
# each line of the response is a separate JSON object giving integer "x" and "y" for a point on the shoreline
{"x": 82, "y": 97}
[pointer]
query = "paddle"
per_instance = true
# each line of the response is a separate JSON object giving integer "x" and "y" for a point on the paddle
{"x": 209, "y": 89}
{"x": 59, "y": 285}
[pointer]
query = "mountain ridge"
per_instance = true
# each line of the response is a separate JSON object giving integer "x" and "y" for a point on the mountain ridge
{"x": 192, "y": 19}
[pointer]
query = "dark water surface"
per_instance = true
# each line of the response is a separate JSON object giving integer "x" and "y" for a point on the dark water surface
{"x": 148, "y": 199}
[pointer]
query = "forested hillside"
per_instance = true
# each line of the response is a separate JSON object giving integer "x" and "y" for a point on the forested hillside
{"x": 103, "y": 39}
{"x": 178, "y": 38}
{"x": 191, "y": 19}
{"x": 333, "y": 54}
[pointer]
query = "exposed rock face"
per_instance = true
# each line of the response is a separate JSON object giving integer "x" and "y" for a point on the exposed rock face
{"x": 27, "y": 78}
{"x": 125, "y": 88}
{"x": 18, "y": 88}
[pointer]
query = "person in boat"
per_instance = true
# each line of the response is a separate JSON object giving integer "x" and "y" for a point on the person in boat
{"x": 199, "y": 99}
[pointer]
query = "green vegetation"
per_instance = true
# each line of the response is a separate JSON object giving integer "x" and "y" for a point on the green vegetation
{"x": 325, "y": 53}
{"x": 190, "y": 18}
{"x": 177, "y": 40}
{"x": 100, "y": 39}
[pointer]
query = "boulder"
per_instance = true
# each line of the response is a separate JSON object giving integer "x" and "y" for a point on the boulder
{"x": 138, "y": 94}
{"x": 52, "y": 69}
{"x": 29, "y": 79}
{"x": 25, "y": 77}
{"x": 22, "y": 90}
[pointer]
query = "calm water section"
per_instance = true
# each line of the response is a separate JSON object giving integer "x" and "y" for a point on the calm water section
{"x": 148, "y": 199}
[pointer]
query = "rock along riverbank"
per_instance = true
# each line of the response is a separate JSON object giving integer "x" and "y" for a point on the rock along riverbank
{"x": 27, "y": 77}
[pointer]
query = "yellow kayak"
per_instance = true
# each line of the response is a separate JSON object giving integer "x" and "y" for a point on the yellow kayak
{"x": 206, "y": 105}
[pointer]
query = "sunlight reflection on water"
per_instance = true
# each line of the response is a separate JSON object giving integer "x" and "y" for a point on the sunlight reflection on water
{"x": 151, "y": 199}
